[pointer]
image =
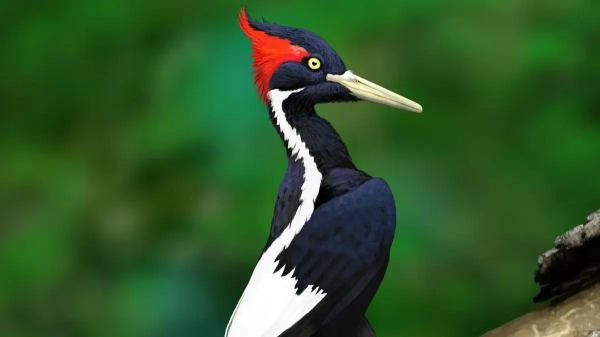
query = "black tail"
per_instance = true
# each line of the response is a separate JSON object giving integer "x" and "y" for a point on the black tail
{"x": 365, "y": 329}
{"x": 361, "y": 329}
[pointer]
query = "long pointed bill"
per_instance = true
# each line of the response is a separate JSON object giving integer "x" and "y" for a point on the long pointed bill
{"x": 369, "y": 91}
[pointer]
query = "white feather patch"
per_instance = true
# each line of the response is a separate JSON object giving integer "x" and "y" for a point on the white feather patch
{"x": 270, "y": 305}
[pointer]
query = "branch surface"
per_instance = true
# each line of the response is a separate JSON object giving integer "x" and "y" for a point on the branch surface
{"x": 578, "y": 315}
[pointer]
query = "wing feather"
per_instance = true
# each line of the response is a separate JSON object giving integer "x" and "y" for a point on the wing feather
{"x": 341, "y": 251}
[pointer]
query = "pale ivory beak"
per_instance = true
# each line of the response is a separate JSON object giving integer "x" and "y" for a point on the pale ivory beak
{"x": 369, "y": 91}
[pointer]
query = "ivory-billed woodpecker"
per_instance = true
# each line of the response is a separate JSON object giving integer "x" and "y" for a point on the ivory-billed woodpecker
{"x": 333, "y": 224}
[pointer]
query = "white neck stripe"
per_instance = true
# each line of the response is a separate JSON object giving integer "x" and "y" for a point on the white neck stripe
{"x": 270, "y": 305}
{"x": 312, "y": 175}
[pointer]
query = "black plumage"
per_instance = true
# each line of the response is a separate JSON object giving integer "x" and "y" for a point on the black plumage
{"x": 344, "y": 250}
{"x": 344, "y": 247}
{"x": 333, "y": 225}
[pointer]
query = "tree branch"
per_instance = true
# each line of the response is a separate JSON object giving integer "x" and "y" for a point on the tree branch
{"x": 569, "y": 276}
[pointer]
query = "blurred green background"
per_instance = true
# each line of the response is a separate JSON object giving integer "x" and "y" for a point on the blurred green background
{"x": 139, "y": 169}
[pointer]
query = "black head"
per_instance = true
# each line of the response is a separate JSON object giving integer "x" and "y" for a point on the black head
{"x": 287, "y": 58}
{"x": 292, "y": 58}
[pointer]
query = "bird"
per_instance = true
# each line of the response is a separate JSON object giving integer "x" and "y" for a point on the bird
{"x": 333, "y": 224}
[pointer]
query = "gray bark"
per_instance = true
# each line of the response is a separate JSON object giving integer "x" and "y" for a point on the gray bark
{"x": 569, "y": 276}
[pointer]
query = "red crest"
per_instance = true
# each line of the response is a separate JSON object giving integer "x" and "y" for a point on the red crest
{"x": 268, "y": 52}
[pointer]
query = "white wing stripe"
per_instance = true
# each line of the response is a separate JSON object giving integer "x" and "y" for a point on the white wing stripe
{"x": 270, "y": 305}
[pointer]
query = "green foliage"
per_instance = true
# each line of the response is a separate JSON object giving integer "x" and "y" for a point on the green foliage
{"x": 138, "y": 167}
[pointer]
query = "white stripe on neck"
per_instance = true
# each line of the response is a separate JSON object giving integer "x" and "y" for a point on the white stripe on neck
{"x": 270, "y": 305}
{"x": 312, "y": 175}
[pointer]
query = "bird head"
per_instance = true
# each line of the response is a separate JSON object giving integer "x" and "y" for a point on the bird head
{"x": 288, "y": 58}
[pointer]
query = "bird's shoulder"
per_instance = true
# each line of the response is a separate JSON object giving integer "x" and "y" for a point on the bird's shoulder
{"x": 356, "y": 183}
{"x": 339, "y": 181}
{"x": 354, "y": 197}
{"x": 352, "y": 231}
{"x": 363, "y": 212}
{"x": 335, "y": 183}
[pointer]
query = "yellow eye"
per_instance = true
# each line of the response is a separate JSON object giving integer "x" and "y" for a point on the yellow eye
{"x": 314, "y": 63}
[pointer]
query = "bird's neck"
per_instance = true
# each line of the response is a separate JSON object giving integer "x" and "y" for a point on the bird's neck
{"x": 297, "y": 122}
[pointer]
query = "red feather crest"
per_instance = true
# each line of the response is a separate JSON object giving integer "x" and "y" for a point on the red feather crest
{"x": 268, "y": 52}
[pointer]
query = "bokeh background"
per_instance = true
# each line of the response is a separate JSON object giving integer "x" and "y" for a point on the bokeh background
{"x": 138, "y": 168}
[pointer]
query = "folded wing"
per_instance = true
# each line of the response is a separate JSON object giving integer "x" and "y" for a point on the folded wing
{"x": 340, "y": 254}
